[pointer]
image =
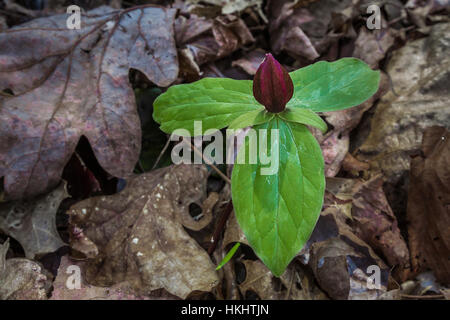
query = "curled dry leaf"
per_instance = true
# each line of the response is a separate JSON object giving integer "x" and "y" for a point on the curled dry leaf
{"x": 429, "y": 205}
{"x": 211, "y": 40}
{"x": 340, "y": 259}
{"x": 139, "y": 235}
{"x": 33, "y": 222}
{"x": 21, "y": 279}
{"x": 69, "y": 83}
{"x": 375, "y": 223}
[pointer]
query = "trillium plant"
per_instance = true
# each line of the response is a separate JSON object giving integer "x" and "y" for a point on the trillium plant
{"x": 277, "y": 212}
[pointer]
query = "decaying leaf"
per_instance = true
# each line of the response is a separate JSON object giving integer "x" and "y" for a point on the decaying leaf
{"x": 375, "y": 223}
{"x": 32, "y": 222}
{"x": 419, "y": 99}
{"x": 64, "y": 286}
{"x": 371, "y": 218}
{"x": 231, "y": 6}
{"x": 371, "y": 46}
{"x": 251, "y": 61}
{"x": 69, "y": 83}
{"x": 21, "y": 279}
{"x": 294, "y": 284}
{"x": 343, "y": 271}
{"x": 139, "y": 237}
{"x": 429, "y": 205}
{"x": 285, "y": 30}
{"x": 204, "y": 40}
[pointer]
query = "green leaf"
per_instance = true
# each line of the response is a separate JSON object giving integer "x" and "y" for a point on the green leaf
{"x": 229, "y": 255}
{"x": 328, "y": 86}
{"x": 251, "y": 118}
{"x": 278, "y": 212}
{"x": 214, "y": 101}
{"x": 304, "y": 116}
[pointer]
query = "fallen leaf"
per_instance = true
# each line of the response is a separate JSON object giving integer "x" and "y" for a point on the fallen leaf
{"x": 63, "y": 291}
{"x": 419, "y": 99}
{"x": 72, "y": 83}
{"x": 139, "y": 235}
{"x": 375, "y": 223}
{"x": 285, "y": 30}
{"x": 343, "y": 270}
{"x": 371, "y": 46}
{"x": 20, "y": 278}
{"x": 231, "y": 6}
{"x": 428, "y": 205}
{"x": 32, "y": 222}
{"x": 294, "y": 284}
{"x": 250, "y": 62}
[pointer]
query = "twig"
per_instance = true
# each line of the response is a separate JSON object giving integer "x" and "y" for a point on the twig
{"x": 161, "y": 153}
{"x": 209, "y": 162}
{"x": 220, "y": 226}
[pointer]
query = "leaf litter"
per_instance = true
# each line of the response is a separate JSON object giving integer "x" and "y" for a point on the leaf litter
{"x": 376, "y": 153}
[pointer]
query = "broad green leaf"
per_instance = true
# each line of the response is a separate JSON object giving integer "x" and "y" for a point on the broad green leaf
{"x": 251, "y": 118}
{"x": 229, "y": 255}
{"x": 328, "y": 86}
{"x": 214, "y": 101}
{"x": 278, "y": 212}
{"x": 304, "y": 116}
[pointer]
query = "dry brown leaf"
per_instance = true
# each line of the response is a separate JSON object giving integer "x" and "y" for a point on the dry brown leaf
{"x": 21, "y": 279}
{"x": 205, "y": 40}
{"x": 32, "y": 222}
{"x": 69, "y": 83}
{"x": 294, "y": 284}
{"x": 139, "y": 235}
{"x": 375, "y": 223}
{"x": 63, "y": 286}
{"x": 429, "y": 205}
{"x": 342, "y": 270}
{"x": 251, "y": 61}
{"x": 419, "y": 99}
{"x": 371, "y": 46}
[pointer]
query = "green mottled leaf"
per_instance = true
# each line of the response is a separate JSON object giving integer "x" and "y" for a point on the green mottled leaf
{"x": 251, "y": 118}
{"x": 304, "y": 116}
{"x": 328, "y": 86}
{"x": 278, "y": 212}
{"x": 214, "y": 101}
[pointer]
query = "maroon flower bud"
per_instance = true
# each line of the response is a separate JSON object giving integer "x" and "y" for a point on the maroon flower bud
{"x": 272, "y": 85}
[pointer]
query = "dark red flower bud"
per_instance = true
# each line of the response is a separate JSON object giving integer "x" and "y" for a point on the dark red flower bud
{"x": 272, "y": 85}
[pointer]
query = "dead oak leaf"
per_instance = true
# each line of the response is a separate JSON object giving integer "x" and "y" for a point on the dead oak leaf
{"x": 68, "y": 83}
{"x": 139, "y": 236}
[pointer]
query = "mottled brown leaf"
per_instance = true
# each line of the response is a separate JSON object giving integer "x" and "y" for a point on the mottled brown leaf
{"x": 69, "y": 83}
{"x": 139, "y": 236}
